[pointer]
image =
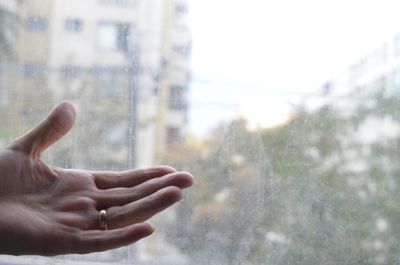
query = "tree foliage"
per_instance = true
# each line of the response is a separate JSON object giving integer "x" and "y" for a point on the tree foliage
{"x": 318, "y": 190}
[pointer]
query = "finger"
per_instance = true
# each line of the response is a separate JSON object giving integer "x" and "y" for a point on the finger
{"x": 95, "y": 240}
{"x": 121, "y": 196}
{"x": 140, "y": 211}
{"x": 130, "y": 178}
{"x": 56, "y": 125}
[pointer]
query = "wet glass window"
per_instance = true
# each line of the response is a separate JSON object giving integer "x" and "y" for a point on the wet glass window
{"x": 113, "y": 37}
{"x": 286, "y": 112}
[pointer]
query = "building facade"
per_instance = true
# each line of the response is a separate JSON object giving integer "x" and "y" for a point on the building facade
{"x": 130, "y": 56}
{"x": 376, "y": 71}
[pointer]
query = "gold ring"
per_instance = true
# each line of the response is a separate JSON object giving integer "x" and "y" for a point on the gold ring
{"x": 103, "y": 220}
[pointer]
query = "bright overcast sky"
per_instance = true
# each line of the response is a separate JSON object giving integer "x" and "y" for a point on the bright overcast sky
{"x": 274, "y": 51}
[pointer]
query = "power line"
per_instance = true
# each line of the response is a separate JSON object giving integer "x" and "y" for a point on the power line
{"x": 239, "y": 84}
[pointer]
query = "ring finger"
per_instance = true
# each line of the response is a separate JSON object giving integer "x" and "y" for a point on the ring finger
{"x": 141, "y": 210}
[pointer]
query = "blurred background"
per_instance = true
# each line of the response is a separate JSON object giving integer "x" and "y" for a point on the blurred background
{"x": 287, "y": 112}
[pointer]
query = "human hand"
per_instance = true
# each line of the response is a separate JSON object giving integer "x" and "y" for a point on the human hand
{"x": 46, "y": 210}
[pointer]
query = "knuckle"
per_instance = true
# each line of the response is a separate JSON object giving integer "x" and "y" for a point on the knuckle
{"x": 85, "y": 203}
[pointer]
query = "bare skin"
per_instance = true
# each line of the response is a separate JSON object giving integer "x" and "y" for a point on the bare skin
{"x": 46, "y": 210}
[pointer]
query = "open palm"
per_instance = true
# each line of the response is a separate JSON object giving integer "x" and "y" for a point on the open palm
{"x": 47, "y": 210}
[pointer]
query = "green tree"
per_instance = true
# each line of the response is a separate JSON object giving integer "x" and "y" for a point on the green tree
{"x": 313, "y": 191}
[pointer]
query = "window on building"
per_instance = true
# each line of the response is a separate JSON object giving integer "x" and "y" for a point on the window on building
{"x": 36, "y": 24}
{"x": 181, "y": 9}
{"x": 123, "y": 37}
{"x": 182, "y": 49}
{"x": 174, "y": 135}
{"x": 107, "y": 37}
{"x": 114, "y": 37}
{"x": 120, "y": 2}
{"x": 71, "y": 71}
{"x": 177, "y": 98}
{"x": 397, "y": 45}
{"x": 327, "y": 88}
{"x": 34, "y": 70}
{"x": 73, "y": 25}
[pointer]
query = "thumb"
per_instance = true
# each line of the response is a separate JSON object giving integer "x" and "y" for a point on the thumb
{"x": 55, "y": 126}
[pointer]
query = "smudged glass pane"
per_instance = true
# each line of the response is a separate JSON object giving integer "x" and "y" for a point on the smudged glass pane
{"x": 286, "y": 112}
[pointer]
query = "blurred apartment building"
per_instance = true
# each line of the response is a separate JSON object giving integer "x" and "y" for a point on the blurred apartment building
{"x": 124, "y": 63}
{"x": 377, "y": 72}
{"x": 7, "y": 39}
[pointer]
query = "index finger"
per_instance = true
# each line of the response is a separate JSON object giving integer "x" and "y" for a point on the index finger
{"x": 129, "y": 178}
